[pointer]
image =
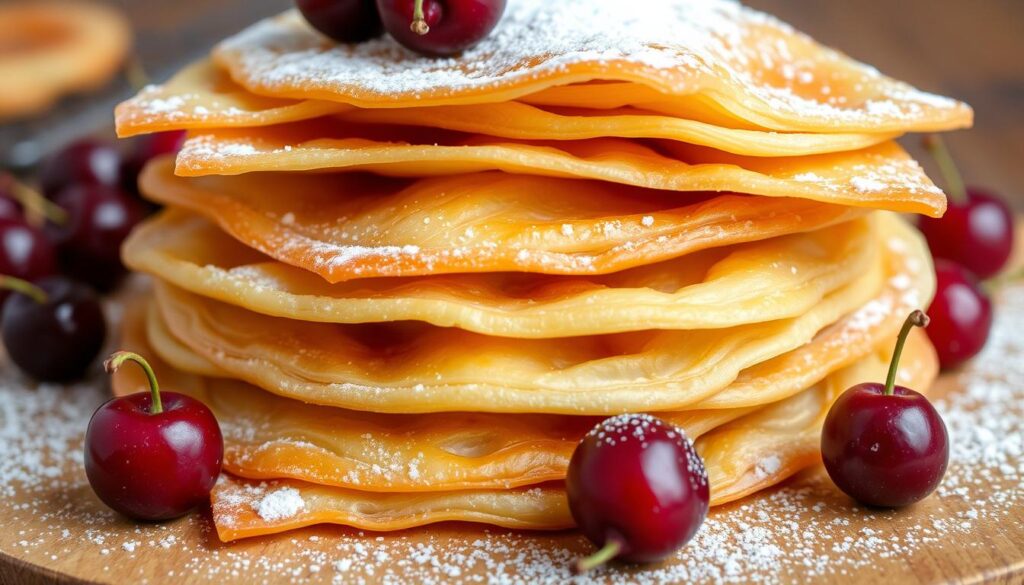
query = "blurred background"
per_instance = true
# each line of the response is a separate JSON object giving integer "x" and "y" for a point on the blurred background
{"x": 969, "y": 49}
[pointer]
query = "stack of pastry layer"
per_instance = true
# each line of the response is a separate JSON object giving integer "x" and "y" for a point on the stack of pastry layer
{"x": 407, "y": 286}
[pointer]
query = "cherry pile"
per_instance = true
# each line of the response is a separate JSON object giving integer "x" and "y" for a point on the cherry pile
{"x": 886, "y": 445}
{"x": 152, "y": 456}
{"x": 61, "y": 242}
{"x": 437, "y": 28}
{"x": 637, "y": 490}
{"x": 972, "y": 241}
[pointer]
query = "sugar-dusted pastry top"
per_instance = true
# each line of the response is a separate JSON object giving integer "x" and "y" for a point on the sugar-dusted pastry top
{"x": 734, "y": 58}
{"x": 410, "y": 367}
{"x": 336, "y": 473}
{"x": 203, "y": 97}
{"x": 721, "y": 287}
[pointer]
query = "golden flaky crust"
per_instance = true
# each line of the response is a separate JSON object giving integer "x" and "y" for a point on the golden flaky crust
{"x": 497, "y": 469}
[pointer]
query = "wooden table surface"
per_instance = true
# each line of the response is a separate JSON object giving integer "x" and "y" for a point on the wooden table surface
{"x": 969, "y": 49}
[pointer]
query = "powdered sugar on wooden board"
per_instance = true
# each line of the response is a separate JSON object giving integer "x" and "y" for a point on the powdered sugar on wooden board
{"x": 679, "y": 46}
{"x": 801, "y": 531}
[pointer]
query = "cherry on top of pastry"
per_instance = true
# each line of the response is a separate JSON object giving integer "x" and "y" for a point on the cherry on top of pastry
{"x": 53, "y": 329}
{"x": 440, "y": 28}
{"x": 885, "y": 445}
{"x": 977, "y": 229}
{"x": 152, "y": 455}
{"x": 637, "y": 489}
{"x": 961, "y": 315}
{"x": 346, "y": 21}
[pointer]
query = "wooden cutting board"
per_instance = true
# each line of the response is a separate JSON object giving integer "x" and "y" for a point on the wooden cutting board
{"x": 53, "y": 529}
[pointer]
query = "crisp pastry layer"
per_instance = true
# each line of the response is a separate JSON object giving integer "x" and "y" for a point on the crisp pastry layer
{"x": 51, "y": 48}
{"x": 415, "y": 367}
{"x": 357, "y": 226}
{"x": 202, "y": 96}
{"x": 882, "y": 177}
{"x": 410, "y": 367}
{"x": 742, "y": 457}
{"x": 779, "y": 278}
{"x": 725, "y": 59}
{"x": 268, "y": 437}
{"x": 746, "y": 455}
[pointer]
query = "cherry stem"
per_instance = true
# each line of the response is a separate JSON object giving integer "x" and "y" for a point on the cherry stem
{"x": 120, "y": 357}
{"x": 24, "y": 287}
{"x": 39, "y": 208}
{"x": 947, "y": 166}
{"x": 419, "y": 23}
{"x": 609, "y": 551}
{"x": 915, "y": 319}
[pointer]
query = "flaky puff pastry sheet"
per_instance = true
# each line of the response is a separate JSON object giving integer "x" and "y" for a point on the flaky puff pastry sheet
{"x": 726, "y": 57}
{"x": 344, "y": 227}
{"x": 745, "y": 456}
{"x": 204, "y": 97}
{"x": 269, "y": 437}
{"x": 883, "y": 176}
{"x": 772, "y": 279}
{"x": 415, "y": 367}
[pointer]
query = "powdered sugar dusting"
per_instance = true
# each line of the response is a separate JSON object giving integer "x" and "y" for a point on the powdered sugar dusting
{"x": 683, "y": 46}
{"x": 278, "y": 504}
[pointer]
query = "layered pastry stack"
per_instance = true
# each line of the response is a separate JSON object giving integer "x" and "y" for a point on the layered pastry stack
{"x": 408, "y": 286}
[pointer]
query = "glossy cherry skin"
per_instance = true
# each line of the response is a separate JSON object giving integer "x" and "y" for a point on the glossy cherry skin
{"x": 54, "y": 341}
{"x": 976, "y": 233}
{"x": 25, "y": 252}
{"x": 637, "y": 479}
{"x": 884, "y": 451}
{"x": 145, "y": 149}
{"x": 153, "y": 466}
{"x": 455, "y": 25}
{"x": 89, "y": 242}
{"x": 961, "y": 315}
{"x": 346, "y": 21}
{"x": 85, "y": 162}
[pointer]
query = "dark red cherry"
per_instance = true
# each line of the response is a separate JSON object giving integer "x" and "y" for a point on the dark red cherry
{"x": 25, "y": 252}
{"x": 10, "y": 207}
{"x": 637, "y": 489}
{"x": 885, "y": 445}
{"x": 152, "y": 456}
{"x": 145, "y": 149}
{"x": 346, "y": 21}
{"x": 85, "y": 162}
{"x": 961, "y": 315}
{"x": 53, "y": 329}
{"x": 99, "y": 218}
{"x": 977, "y": 230}
{"x": 440, "y": 28}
